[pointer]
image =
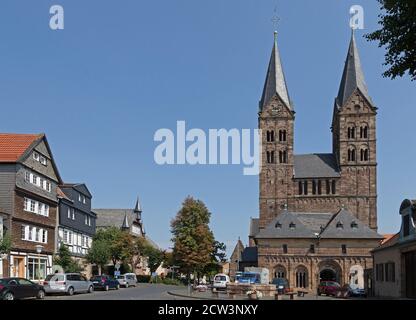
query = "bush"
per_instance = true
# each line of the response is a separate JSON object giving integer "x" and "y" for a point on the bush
{"x": 174, "y": 282}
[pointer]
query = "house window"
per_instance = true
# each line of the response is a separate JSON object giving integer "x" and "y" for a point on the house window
{"x": 305, "y": 188}
{"x": 36, "y": 156}
{"x": 284, "y": 248}
{"x": 79, "y": 198}
{"x": 328, "y": 187}
{"x": 43, "y": 160}
{"x": 319, "y": 187}
{"x": 312, "y": 248}
{"x": 278, "y": 225}
{"x": 340, "y": 225}
{"x": 73, "y": 214}
{"x": 380, "y": 272}
{"x": 292, "y": 225}
{"x": 69, "y": 213}
{"x": 354, "y": 225}
{"x": 313, "y": 187}
{"x": 301, "y": 278}
{"x": 83, "y": 199}
{"x": 300, "y": 187}
{"x": 389, "y": 271}
{"x": 36, "y": 268}
{"x": 27, "y": 176}
{"x": 65, "y": 236}
{"x": 344, "y": 249}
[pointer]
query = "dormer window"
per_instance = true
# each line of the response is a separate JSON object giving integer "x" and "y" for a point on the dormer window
{"x": 36, "y": 156}
{"x": 292, "y": 225}
{"x": 43, "y": 160}
{"x": 354, "y": 225}
{"x": 278, "y": 225}
{"x": 340, "y": 225}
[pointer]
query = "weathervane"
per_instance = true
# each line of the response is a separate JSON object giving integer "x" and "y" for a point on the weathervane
{"x": 275, "y": 19}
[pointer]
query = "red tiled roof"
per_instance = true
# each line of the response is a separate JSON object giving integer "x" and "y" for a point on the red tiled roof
{"x": 12, "y": 146}
{"x": 387, "y": 237}
{"x": 61, "y": 194}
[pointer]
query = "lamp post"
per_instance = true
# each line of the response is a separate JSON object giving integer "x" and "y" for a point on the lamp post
{"x": 39, "y": 249}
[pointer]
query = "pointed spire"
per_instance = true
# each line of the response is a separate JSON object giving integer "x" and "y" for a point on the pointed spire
{"x": 126, "y": 224}
{"x": 275, "y": 79}
{"x": 353, "y": 76}
{"x": 138, "y": 207}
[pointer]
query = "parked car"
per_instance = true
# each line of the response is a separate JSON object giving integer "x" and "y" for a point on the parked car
{"x": 329, "y": 288}
{"x": 282, "y": 285}
{"x": 344, "y": 292}
{"x": 105, "y": 282}
{"x": 67, "y": 283}
{"x": 357, "y": 292}
{"x": 248, "y": 277}
{"x": 127, "y": 280}
{"x": 20, "y": 288}
{"x": 220, "y": 282}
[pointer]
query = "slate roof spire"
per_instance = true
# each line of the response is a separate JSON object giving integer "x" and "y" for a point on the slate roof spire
{"x": 275, "y": 79}
{"x": 352, "y": 76}
{"x": 125, "y": 225}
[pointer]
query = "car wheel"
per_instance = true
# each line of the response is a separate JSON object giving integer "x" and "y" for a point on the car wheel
{"x": 40, "y": 295}
{"x": 8, "y": 296}
{"x": 91, "y": 289}
{"x": 70, "y": 291}
{"x": 117, "y": 287}
{"x": 106, "y": 288}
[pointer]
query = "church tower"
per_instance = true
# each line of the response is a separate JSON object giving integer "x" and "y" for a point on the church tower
{"x": 354, "y": 140}
{"x": 276, "y": 122}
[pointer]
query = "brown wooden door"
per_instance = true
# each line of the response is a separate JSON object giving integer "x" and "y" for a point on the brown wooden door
{"x": 18, "y": 269}
{"x": 410, "y": 273}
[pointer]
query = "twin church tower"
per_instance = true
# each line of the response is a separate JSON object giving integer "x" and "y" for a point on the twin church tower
{"x": 319, "y": 182}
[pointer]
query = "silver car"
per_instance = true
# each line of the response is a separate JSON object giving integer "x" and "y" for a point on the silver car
{"x": 127, "y": 280}
{"x": 67, "y": 283}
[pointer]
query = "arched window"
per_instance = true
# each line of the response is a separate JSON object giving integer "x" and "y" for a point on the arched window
{"x": 282, "y": 135}
{"x": 351, "y": 155}
{"x": 280, "y": 272}
{"x": 283, "y": 156}
{"x": 364, "y": 155}
{"x": 270, "y": 156}
{"x": 270, "y": 136}
{"x": 301, "y": 277}
{"x": 364, "y": 131}
{"x": 351, "y": 132}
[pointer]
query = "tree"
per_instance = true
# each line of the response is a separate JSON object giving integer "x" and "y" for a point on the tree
{"x": 5, "y": 244}
{"x": 398, "y": 34}
{"x": 193, "y": 240}
{"x": 99, "y": 253}
{"x": 111, "y": 237}
{"x": 65, "y": 260}
{"x": 218, "y": 255}
{"x": 154, "y": 255}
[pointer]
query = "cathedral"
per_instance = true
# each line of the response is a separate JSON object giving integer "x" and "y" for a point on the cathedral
{"x": 318, "y": 212}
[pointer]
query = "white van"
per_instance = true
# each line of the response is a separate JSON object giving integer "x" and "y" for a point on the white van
{"x": 220, "y": 282}
{"x": 127, "y": 280}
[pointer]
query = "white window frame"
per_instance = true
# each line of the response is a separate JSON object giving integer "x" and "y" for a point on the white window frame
{"x": 36, "y": 156}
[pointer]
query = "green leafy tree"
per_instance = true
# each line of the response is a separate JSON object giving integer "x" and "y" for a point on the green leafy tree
{"x": 99, "y": 253}
{"x": 65, "y": 260}
{"x": 398, "y": 34}
{"x": 111, "y": 237}
{"x": 5, "y": 244}
{"x": 193, "y": 240}
{"x": 154, "y": 255}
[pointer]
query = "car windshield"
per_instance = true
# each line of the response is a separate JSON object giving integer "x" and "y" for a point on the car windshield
{"x": 55, "y": 277}
{"x": 120, "y": 277}
{"x": 220, "y": 278}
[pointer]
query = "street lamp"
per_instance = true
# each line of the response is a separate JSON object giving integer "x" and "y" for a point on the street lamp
{"x": 39, "y": 249}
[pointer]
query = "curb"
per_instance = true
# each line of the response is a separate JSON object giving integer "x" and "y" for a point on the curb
{"x": 191, "y": 297}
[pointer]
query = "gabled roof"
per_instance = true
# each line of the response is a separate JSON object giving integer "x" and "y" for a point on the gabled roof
{"x": 62, "y": 195}
{"x": 352, "y": 76}
{"x": 275, "y": 79}
{"x": 317, "y": 165}
{"x": 16, "y": 147}
{"x": 13, "y": 146}
{"x": 341, "y": 226}
{"x": 80, "y": 187}
{"x": 387, "y": 243}
{"x": 114, "y": 217}
{"x": 313, "y": 225}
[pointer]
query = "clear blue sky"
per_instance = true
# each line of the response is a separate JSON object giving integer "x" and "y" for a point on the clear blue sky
{"x": 123, "y": 69}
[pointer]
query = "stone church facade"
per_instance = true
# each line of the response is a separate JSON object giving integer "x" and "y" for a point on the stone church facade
{"x": 318, "y": 212}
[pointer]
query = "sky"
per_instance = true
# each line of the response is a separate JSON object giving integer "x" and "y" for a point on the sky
{"x": 120, "y": 70}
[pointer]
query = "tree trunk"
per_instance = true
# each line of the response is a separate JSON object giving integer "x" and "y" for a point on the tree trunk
{"x": 99, "y": 269}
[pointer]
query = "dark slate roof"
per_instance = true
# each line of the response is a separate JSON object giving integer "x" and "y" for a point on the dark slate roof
{"x": 249, "y": 254}
{"x": 114, "y": 217}
{"x": 275, "y": 79}
{"x": 311, "y": 224}
{"x": 346, "y": 219}
{"x": 306, "y": 225}
{"x": 317, "y": 165}
{"x": 352, "y": 77}
{"x": 254, "y": 226}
